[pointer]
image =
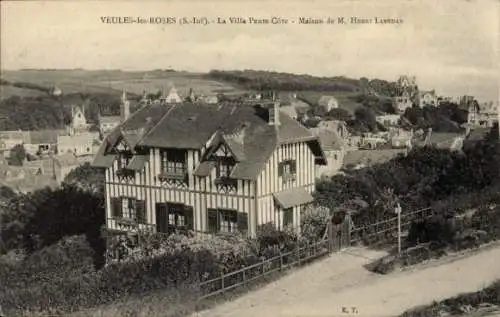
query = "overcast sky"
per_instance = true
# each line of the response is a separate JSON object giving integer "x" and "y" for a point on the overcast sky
{"x": 451, "y": 46}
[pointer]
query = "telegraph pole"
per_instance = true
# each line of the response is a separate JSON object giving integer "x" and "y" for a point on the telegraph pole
{"x": 398, "y": 212}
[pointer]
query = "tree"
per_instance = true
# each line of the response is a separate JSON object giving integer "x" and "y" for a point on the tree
{"x": 338, "y": 114}
{"x": 17, "y": 155}
{"x": 87, "y": 178}
{"x": 366, "y": 117}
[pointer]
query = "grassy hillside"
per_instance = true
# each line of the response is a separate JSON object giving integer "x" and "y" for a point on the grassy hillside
{"x": 102, "y": 81}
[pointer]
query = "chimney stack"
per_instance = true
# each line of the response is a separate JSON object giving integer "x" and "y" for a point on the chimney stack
{"x": 124, "y": 107}
{"x": 274, "y": 114}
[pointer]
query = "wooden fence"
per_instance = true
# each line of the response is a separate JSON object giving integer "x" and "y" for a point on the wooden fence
{"x": 389, "y": 226}
{"x": 250, "y": 273}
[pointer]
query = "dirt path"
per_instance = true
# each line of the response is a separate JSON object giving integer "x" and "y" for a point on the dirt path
{"x": 334, "y": 285}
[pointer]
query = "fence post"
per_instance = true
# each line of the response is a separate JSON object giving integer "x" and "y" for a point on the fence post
{"x": 281, "y": 262}
{"x": 222, "y": 280}
{"x": 244, "y": 278}
{"x": 298, "y": 254}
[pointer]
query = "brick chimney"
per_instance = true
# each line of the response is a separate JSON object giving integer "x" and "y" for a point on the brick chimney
{"x": 124, "y": 107}
{"x": 274, "y": 112}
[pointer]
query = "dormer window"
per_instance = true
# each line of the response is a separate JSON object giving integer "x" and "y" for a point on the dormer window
{"x": 224, "y": 167}
{"x": 173, "y": 164}
{"x": 123, "y": 160}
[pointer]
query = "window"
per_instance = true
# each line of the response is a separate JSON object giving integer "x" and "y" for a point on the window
{"x": 123, "y": 159}
{"x": 287, "y": 169}
{"x": 171, "y": 217}
{"x": 173, "y": 162}
{"x": 227, "y": 220}
{"x": 335, "y": 157}
{"x": 129, "y": 208}
{"x": 288, "y": 217}
{"x": 224, "y": 166}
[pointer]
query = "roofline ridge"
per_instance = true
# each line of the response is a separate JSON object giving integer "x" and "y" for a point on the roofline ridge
{"x": 173, "y": 106}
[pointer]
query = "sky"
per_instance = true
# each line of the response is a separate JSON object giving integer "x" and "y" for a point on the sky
{"x": 451, "y": 46}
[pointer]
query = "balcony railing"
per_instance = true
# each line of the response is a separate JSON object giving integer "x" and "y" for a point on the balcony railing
{"x": 226, "y": 181}
{"x": 173, "y": 175}
{"x": 123, "y": 172}
{"x": 128, "y": 225}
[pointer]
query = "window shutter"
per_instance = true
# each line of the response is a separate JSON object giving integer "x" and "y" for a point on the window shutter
{"x": 213, "y": 221}
{"x": 293, "y": 167}
{"x": 140, "y": 206}
{"x": 189, "y": 212}
{"x": 243, "y": 222}
{"x": 116, "y": 208}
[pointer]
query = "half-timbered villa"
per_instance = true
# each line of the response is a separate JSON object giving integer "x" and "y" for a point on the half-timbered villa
{"x": 207, "y": 168}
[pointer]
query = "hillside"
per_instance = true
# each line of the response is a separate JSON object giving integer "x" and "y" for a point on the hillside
{"x": 105, "y": 81}
{"x": 26, "y": 103}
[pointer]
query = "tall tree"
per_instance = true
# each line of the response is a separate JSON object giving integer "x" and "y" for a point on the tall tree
{"x": 17, "y": 155}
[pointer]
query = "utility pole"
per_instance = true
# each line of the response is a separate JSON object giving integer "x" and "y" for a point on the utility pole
{"x": 398, "y": 212}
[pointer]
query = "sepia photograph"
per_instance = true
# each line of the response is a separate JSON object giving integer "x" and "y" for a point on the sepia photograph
{"x": 250, "y": 158}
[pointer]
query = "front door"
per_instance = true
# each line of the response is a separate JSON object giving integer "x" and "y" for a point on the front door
{"x": 161, "y": 218}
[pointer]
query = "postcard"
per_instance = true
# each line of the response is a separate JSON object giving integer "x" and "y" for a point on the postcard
{"x": 249, "y": 158}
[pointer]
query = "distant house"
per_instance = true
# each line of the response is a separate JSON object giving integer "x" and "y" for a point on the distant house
{"x": 78, "y": 120}
{"x": 209, "y": 99}
{"x": 290, "y": 99}
{"x": 400, "y": 138}
{"x": 108, "y": 123}
{"x": 328, "y": 103}
{"x": 337, "y": 126}
{"x": 172, "y": 97}
{"x": 428, "y": 98}
{"x": 55, "y": 91}
{"x": 26, "y": 179}
{"x": 43, "y": 142}
{"x": 388, "y": 119}
{"x": 364, "y": 158}
{"x": 63, "y": 165}
{"x": 403, "y": 102}
{"x": 12, "y": 138}
{"x": 406, "y": 92}
{"x": 80, "y": 144}
{"x": 334, "y": 148}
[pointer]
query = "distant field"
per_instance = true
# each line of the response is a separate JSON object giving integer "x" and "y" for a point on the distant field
{"x": 345, "y": 102}
{"x": 115, "y": 81}
{"x": 181, "y": 83}
{"x": 9, "y": 91}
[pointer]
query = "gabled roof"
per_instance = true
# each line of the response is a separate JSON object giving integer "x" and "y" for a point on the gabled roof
{"x": 190, "y": 126}
{"x": 66, "y": 160}
{"x": 330, "y": 140}
{"x": 15, "y": 135}
{"x": 45, "y": 136}
{"x": 289, "y": 110}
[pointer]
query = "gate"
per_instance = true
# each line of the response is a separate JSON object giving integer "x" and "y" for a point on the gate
{"x": 339, "y": 231}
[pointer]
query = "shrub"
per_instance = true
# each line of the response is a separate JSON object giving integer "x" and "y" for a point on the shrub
{"x": 314, "y": 221}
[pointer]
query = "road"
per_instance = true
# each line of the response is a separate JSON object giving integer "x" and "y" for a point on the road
{"x": 340, "y": 286}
